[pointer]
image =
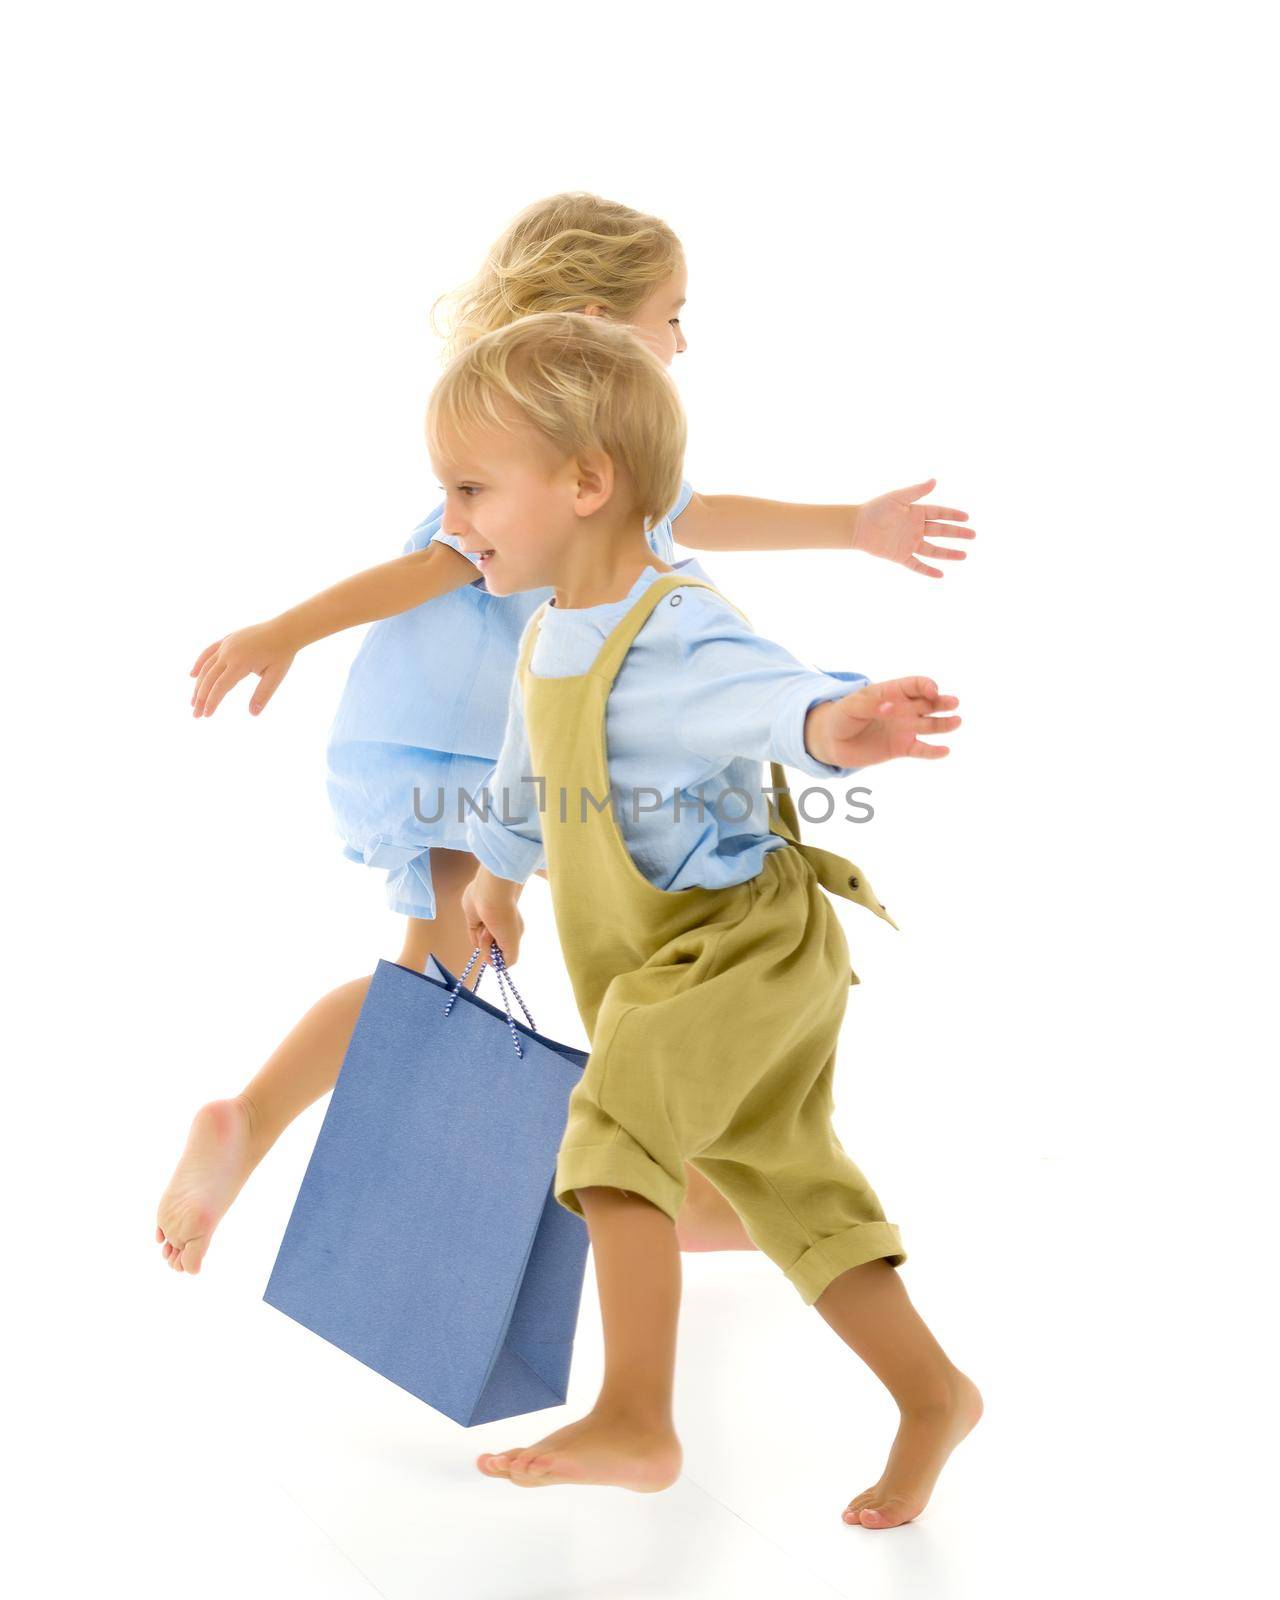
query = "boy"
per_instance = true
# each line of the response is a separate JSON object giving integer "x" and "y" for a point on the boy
{"x": 709, "y": 968}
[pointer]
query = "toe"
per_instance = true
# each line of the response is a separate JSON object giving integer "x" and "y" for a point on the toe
{"x": 530, "y": 1472}
{"x": 856, "y": 1504}
{"x": 885, "y": 1514}
{"x": 529, "y": 1464}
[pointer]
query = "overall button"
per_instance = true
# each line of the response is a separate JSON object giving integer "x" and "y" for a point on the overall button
{"x": 676, "y": 599}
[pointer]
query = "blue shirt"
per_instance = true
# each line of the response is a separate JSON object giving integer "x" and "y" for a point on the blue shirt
{"x": 425, "y": 706}
{"x": 699, "y": 703}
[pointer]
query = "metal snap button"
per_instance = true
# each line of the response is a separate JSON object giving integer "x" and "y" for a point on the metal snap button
{"x": 676, "y": 599}
{"x": 853, "y": 883}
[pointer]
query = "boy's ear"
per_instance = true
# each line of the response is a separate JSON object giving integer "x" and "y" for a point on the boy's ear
{"x": 595, "y": 482}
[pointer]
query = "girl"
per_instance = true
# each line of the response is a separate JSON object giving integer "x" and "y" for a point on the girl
{"x": 421, "y": 718}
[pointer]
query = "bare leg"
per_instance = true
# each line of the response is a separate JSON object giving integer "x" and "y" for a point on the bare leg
{"x": 228, "y": 1138}
{"x": 868, "y": 1307}
{"x": 628, "y": 1438}
{"x": 707, "y": 1221}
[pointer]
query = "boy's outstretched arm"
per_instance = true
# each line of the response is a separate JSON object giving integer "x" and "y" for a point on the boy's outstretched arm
{"x": 894, "y": 526}
{"x": 880, "y": 722}
{"x": 268, "y": 648}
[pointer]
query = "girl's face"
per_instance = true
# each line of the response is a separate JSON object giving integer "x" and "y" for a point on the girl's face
{"x": 657, "y": 319}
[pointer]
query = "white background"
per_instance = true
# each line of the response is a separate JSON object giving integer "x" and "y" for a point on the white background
{"x": 1025, "y": 249}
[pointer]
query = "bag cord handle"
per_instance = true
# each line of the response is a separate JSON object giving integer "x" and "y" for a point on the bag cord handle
{"x": 503, "y": 975}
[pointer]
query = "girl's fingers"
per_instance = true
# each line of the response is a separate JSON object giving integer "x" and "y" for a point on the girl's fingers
{"x": 948, "y": 530}
{"x": 929, "y": 752}
{"x": 269, "y": 682}
{"x": 937, "y": 724}
{"x": 226, "y": 681}
{"x": 943, "y": 514}
{"x": 203, "y": 657}
{"x": 913, "y": 565}
{"x": 208, "y": 678}
{"x": 914, "y": 491}
{"x": 940, "y": 552}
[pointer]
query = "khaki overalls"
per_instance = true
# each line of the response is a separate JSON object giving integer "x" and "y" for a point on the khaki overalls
{"x": 713, "y": 1014}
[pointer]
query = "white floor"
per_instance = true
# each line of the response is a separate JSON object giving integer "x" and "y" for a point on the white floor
{"x": 197, "y": 1443}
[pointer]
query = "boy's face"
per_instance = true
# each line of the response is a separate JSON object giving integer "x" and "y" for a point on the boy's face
{"x": 510, "y": 496}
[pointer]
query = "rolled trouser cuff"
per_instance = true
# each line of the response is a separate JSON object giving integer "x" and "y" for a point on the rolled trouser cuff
{"x": 613, "y": 1166}
{"x": 825, "y": 1261}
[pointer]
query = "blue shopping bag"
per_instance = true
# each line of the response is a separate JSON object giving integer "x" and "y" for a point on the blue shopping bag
{"x": 425, "y": 1239}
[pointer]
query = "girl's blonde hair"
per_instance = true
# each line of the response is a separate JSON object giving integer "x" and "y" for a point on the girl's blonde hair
{"x": 562, "y": 254}
{"x": 583, "y": 383}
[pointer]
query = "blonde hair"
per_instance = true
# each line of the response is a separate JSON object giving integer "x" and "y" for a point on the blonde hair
{"x": 581, "y": 382}
{"x": 562, "y": 254}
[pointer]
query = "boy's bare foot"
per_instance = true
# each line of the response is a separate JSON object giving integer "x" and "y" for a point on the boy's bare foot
{"x": 218, "y": 1158}
{"x": 599, "y": 1449}
{"x": 925, "y": 1438}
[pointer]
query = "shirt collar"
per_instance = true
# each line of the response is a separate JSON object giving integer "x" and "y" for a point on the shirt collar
{"x": 602, "y": 619}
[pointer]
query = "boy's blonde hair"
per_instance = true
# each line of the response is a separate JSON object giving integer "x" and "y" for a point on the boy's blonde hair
{"x": 562, "y": 254}
{"x": 583, "y": 383}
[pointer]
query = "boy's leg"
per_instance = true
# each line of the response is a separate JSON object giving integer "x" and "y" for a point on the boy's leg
{"x": 628, "y": 1439}
{"x": 868, "y": 1307}
{"x": 228, "y": 1138}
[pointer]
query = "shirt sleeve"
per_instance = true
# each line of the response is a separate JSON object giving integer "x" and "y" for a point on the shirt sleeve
{"x": 686, "y": 494}
{"x": 454, "y": 543}
{"x": 508, "y": 839}
{"x": 737, "y": 694}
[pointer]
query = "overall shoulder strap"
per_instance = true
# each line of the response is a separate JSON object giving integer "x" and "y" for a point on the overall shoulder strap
{"x": 616, "y": 645}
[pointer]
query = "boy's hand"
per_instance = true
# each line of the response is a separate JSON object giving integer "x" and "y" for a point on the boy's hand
{"x": 880, "y": 722}
{"x": 265, "y": 649}
{"x": 894, "y": 527}
{"x": 489, "y": 905}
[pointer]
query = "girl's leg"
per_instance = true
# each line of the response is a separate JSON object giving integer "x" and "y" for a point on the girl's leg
{"x": 868, "y": 1307}
{"x": 229, "y": 1137}
{"x": 707, "y": 1221}
{"x": 628, "y": 1438}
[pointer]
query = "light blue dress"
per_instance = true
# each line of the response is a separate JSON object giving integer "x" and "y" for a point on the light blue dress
{"x": 700, "y": 702}
{"x": 422, "y": 715}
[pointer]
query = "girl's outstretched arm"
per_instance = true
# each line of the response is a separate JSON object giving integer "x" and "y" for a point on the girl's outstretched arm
{"x": 268, "y": 648}
{"x": 893, "y": 526}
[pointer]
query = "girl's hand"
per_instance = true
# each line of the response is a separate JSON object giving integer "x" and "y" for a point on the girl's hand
{"x": 881, "y": 722}
{"x": 489, "y": 905}
{"x": 265, "y": 649}
{"x": 894, "y": 527}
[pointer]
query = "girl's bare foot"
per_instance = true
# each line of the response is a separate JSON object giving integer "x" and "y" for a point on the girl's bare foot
{"x": 614, "y": 1450}
{"x": 706, "y": 1220}
{"x": 926, "y": 1437}
{"x": 218, "y": 1158}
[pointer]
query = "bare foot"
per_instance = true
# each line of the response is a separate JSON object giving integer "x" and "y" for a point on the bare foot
{"x": 925, "y": 1438}
{"x": 218, "y": 1158}
{"x": 706, "y": 1220}
{"x": 598, "y": 1449}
